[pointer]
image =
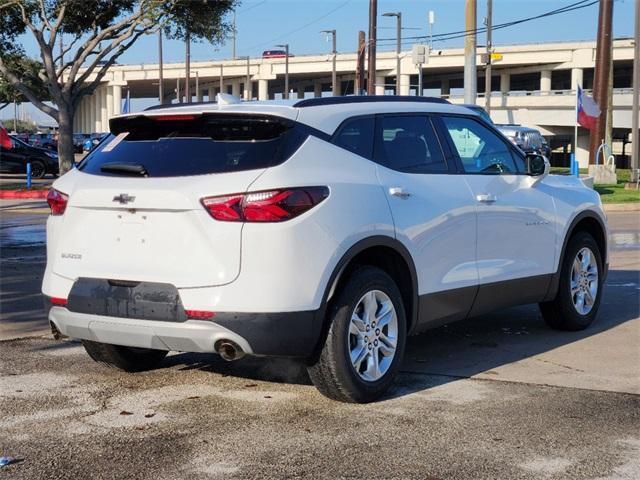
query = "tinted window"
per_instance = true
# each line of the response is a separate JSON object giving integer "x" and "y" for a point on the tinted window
{"x": 408, "y": 143}
{"x": 192, "y": 145}
{"x": 479, "y": 149}
{"x": 356, "y": 135}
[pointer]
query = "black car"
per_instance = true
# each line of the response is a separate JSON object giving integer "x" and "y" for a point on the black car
{"x": 15, "y": 159}
{"x": 78, "y": 141}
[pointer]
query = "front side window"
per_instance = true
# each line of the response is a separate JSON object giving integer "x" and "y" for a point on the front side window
{"x": 480, "y": 150}
{"x": 408, "y": 143}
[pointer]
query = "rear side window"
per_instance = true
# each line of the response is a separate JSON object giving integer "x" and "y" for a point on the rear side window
{"x": 408, "y": 143}
{"x": 356, "y": 135}
{"x": 183, "y": 145}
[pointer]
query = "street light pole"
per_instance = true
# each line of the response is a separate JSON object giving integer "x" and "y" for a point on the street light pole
{"x": 635, "y": 134}
{"x": 371, "y": 63}
{"x": 470, "y": 73}
{"x": 286, "y": 69}
{"x": 334, "y": 52}
{"x": 487, "y": 74}
{"x": 187, "y": 83}
{"x": 160, "y": 73}
{"x": 398, "y": 16}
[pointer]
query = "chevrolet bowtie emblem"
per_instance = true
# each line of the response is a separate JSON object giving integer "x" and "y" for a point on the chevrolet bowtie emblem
{"x": 123, "y": 198}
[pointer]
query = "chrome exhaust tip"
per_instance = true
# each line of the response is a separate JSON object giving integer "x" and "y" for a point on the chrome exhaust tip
{"x": 229, "y": 350}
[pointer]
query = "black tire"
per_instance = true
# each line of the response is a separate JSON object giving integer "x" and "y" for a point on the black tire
{"x": 129, "y": 359}
{"x": 560, "y": 313}
{"x": 333, "y": 374}
{"x": 38, "y": 169}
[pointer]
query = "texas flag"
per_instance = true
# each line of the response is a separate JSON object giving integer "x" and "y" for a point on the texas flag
{"x": 588, "y": 110}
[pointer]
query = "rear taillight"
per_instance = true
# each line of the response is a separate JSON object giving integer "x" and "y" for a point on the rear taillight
{"x": 200, "y": 314}
{"x": 269, "y": 206}
{"x": 57, "y": 201}
{"x": 60, "y": 302}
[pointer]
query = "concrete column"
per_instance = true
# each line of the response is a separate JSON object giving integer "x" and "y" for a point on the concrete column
{"x": 300, "y": 92}
{"x": 77, "y": 119}
{"x": 379, "y": 85}
{"x": 582, "y": 150}
{"x": 200, "y": 94}
{"x": 248, "y": 90}
{"x": 445, "y": 88}
{"x": 317, "y": 89}
{"x": 83, "y": 115}
{"x": 405, "y": 84}
{"x": 545, "y": 81}
{"x": 109, "y": 89}
{"x": 104, "y": 118}
{"x": 95, "y": 112}
{"x": 505, "y": 83}
{"x": 88, "y": 125}
{"x": 235, "y": 88}
{"x": 263, "y": 89}
{"x": 117, "y": 99}
{"x": 577, "y": 76}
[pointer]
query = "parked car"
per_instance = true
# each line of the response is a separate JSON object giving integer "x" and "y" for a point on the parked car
{"x": 479, "y": 110}
{"x": 324, "y": 229}
{"x": 15, "y": 154}
{"x": 92, "y": 141}
{"x": 78, "y": 141}
{"x": 43, "y": 140}
{"x": 529, "y": 140}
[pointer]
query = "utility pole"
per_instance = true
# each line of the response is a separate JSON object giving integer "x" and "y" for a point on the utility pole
{"x": 235, "y": 35}
{"x": 160, "y": 73}
{"x": 635, "y": 134}
{"x": 248, "y": 88}
{"x": 470, "y": 74}
{"x": 362, "y": 48}
{"x": 197, "y": 86}
{"x": 187, "y": 83}
{"x": 178, "y": 95}
{"x": 432, "y": 21}
{"x": 334, "y": 53}
{"x": 487, "y": 74}
{"x": 398, "y": 16}
{"x": 601, "y": 76}
{"x": 286, "y": 69}
{"x": 373, "y": 18}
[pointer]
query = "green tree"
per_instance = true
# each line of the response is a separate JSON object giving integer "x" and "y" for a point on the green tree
{"x": 96, "y": 33}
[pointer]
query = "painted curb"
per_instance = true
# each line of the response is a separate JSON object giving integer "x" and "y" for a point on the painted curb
{"x": 12, "y": 194}
{"x": 621, "y": 207}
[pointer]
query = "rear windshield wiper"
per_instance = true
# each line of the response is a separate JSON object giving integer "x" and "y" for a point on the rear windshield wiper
{"x": 125, "y": 169}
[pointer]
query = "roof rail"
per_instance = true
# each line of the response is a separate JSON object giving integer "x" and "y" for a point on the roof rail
{"x": 316, "y": 102}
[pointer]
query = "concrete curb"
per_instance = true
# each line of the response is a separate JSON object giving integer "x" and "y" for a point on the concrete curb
{"x": 16, "y": 194}
{"x": 622, "y": 207}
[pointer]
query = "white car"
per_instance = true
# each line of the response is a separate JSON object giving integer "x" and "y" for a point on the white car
{"x": 325, "y": 229}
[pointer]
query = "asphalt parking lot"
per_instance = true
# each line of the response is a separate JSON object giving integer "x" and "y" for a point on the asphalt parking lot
{"x": 500, "y": 396}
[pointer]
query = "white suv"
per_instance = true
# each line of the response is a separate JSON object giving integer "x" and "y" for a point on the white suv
{"x": 326, "y": 229}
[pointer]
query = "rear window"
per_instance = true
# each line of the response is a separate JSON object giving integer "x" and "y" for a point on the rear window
{"x": 183, "y": 145}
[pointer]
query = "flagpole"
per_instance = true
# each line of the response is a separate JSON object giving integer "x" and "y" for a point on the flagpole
{"x": 574, "y": 161}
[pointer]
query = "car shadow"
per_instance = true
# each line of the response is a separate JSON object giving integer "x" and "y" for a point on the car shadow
{"x": 460, "y": 350}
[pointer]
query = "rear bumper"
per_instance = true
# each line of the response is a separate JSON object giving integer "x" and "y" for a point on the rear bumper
{"x": 291, "y": 334}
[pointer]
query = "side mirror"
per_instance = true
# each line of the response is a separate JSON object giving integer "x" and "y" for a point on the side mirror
{"x": 536, "y": 164}
{"x": 538, "y": 167}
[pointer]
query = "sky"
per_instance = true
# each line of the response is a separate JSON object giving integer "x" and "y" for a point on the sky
{"x": 262, "y": 24}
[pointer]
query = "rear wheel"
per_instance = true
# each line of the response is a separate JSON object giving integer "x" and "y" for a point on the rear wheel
{"x": 38, "y": 170}
{"x": 129, "y": 359}
{"x": 366, "y": 339}
{"x": 580, "y": 288}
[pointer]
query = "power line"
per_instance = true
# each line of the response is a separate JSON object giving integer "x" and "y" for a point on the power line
{"x": 463, "y": 33}
{"x": 296, "y": 30}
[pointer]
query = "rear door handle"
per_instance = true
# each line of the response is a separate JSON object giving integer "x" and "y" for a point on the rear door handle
{"x": 399, "y": 192}
{"x": 486, "y": 198}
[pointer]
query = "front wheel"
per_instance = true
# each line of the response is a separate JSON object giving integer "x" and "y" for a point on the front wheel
{"x": 129, "y": 359}
{"x": 580, "y": 289}
{"x": 366, "y": 339}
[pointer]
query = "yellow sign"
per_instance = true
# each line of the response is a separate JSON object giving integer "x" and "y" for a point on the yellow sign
{"x": 496, "y": 56}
